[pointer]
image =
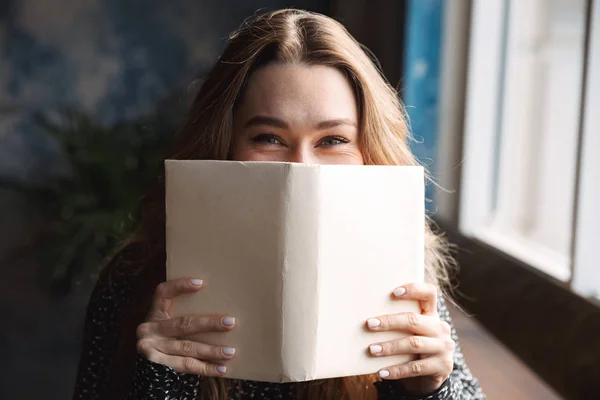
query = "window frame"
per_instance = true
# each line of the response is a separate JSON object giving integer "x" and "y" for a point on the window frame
{"x": 484, "y": 119}
{"x": 586, "y": 272}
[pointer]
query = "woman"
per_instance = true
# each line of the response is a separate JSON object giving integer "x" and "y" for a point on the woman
{"x": 291, "y": 86}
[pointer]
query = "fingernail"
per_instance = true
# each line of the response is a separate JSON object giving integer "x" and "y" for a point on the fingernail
{"x": 384, "y": 373}
{"x": 375, "y": 348}
{"x": 228, "y": 351}
{"x": 196, "y": 282}
{"x": 228, "y": 321}
{"x": 221, "y": 369}
{"x": 399, "y": 292}
{"x": 373, "y": 322}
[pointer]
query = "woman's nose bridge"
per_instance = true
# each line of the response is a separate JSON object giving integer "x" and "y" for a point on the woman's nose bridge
{"x": 301, "y": 153}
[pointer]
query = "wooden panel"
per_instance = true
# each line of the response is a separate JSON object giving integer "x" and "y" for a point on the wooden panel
{"x": 501, "y": 374}
{"x": 552, "y": 330}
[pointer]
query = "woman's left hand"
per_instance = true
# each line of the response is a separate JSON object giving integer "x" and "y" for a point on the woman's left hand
{"x": 428, "y": 337}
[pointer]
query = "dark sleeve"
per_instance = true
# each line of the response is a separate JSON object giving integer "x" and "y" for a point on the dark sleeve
{"x": 461, "y": 385}
{"x": 101, "y": 340}
{"x": 157, "y": 381}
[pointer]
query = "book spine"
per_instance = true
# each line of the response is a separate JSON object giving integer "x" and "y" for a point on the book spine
{"x": 300, "y": 294}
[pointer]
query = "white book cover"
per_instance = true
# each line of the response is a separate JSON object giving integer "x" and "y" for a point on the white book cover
{"x": 301, "y": 255}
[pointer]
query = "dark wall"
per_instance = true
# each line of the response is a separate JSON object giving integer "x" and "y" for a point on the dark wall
{"x": 117, "y": 60}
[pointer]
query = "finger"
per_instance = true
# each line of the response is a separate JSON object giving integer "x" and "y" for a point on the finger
{"x": 188, "y": 348}
{"x": 186, "y": 365}
{"x": 167, "y": 291}
{"x": 411, "y": 323}
{"x": 425, "y": 293}
{"x": 410, "y": 345}
{"x": 432, "y": 366}
{"x": 190, "y": 324}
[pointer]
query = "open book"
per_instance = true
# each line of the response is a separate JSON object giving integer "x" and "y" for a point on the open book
{"x": 302, "y": 255}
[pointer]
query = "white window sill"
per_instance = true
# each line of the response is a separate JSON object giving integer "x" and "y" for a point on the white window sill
{"x": 528, "y": 251}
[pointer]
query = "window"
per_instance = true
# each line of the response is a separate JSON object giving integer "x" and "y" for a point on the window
{"x": 530, "y": 169}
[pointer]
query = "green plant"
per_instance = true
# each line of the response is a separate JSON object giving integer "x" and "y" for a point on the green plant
{"x": 86, "y": 212}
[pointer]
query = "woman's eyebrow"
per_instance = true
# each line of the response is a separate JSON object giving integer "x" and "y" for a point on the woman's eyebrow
{"x": 279, "y": 123}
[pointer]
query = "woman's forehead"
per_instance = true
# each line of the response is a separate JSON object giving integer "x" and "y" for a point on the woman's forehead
{"x": 299, "y": 93}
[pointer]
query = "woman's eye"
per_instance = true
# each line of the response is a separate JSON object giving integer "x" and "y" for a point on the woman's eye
{"x": 333, "y": 141}
{"x": 266, "y": 139}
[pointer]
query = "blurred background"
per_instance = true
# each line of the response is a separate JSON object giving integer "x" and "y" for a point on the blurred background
{"x": 504, "y": 102}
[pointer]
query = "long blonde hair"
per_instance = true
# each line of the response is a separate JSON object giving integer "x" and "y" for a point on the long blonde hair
{"x": 300, "y": 37}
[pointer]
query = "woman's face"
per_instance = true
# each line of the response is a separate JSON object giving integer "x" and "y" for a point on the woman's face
{"x": 297, "y": 113}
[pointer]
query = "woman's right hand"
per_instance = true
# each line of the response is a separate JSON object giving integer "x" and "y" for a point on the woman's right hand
{"x": 161, "y": 337}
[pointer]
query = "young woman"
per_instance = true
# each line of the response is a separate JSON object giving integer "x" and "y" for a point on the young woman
{"x": 290, "y": 86}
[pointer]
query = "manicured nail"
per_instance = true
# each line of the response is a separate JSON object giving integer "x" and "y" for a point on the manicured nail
{"x": 228, "y": 321}
{"x": 221, "y": 369}
{"x": 399, "y": 292}
{"x": 373, "y": 322}
{"x": 228, "y": 351}
{"x": 196, "y": 282}
{"x": 384, "y": 373}
{"x": 375, "y": 348}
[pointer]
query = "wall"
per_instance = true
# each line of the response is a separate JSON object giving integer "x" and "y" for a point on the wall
{"x": 421, "y": 83}
{"x": 117, "y": 60}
